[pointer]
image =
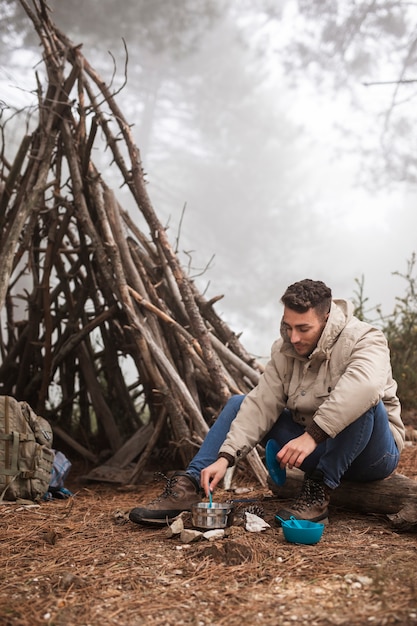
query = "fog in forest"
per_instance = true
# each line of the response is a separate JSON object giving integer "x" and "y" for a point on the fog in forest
{"x": 268, "y": 157}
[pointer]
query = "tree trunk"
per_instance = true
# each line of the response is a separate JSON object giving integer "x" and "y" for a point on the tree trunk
{"x": 395, "y": 496}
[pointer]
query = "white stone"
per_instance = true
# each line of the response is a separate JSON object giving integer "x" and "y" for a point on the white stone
{"x": 212, "y": 535}
{"x": 175, "y": 528}
{"x": 189, "y": 535}
{"x": 255, "y": 524}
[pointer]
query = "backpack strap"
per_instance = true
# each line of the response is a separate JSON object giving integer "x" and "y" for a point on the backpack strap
{"x": 12, "y": 454}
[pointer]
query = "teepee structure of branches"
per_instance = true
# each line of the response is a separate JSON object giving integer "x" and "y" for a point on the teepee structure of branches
{"x": 99, "y": 293}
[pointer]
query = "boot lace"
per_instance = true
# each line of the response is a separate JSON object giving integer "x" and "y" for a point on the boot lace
{"x": 168, "y": 490}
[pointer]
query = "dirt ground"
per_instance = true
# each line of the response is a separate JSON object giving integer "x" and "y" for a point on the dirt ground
{"x": 81, "y": 562}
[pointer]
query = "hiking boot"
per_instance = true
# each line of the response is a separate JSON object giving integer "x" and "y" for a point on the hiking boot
{"x": 181, "y": 492}
{"x": 312, "y": 502}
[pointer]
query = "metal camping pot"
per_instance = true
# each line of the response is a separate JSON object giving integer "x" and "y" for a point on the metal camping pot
{"x": 212, "y": 515}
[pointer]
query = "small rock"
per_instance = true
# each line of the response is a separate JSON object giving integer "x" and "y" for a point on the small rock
{"x": 176, "y": 527}
{"x": 212, "y": 535}
{"x": 255, "y": 524}
{"x": 189, "y": 535}
{"x": 120, "y": 517}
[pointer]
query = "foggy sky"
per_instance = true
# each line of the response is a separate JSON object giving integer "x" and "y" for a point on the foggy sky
{"x": 267, "y": 171}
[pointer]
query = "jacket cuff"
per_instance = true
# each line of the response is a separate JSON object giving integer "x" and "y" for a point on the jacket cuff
{"x": 229, "y": 458}
{"x": 318, "y": 434}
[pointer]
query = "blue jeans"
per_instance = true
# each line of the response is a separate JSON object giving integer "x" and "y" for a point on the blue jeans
{"x": 364, "y": 451}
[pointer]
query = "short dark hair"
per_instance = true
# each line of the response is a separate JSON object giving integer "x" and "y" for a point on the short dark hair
{"x": 308, "y": 294}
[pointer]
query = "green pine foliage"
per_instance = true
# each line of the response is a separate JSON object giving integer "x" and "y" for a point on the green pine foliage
{"x": 400, "y": 328}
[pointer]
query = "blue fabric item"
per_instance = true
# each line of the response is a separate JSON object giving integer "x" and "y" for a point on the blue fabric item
{"x": 61, "y": 494}
{"x": 60, "y": 470}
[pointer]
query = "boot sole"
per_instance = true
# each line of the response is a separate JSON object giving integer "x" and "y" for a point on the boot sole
{"x": 154, "y": 521}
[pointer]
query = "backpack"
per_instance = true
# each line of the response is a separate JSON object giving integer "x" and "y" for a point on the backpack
{"x": 26, "y": 457}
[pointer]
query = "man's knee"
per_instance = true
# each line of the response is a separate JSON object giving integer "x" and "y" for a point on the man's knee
{"x": 231, "y": 408}
{"x": 235, "y": 401}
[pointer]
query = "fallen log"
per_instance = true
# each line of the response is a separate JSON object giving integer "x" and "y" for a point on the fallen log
{"x": 395, "y": 497}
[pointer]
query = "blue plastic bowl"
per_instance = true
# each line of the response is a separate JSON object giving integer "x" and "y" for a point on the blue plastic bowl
{"x": 302, "y": 531}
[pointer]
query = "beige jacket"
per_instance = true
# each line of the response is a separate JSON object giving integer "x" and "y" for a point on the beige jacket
{"x": 348, "y": 372}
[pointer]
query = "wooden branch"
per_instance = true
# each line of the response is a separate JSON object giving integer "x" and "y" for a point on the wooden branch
{"x": 12, "y": 179}
{"x": 134, "y": 179}
{"x": 101, "y": 408}
{"x": 141, "y": 464}
{"x": 35, "y": 188}
{"x": 395, "y": 496}
{"x": 75, "y": 445}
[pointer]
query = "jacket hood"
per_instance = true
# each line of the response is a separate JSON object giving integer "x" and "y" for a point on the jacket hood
{"x": 341, "y": 312}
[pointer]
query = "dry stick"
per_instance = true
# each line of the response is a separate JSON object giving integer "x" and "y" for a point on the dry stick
{"x": 185, "y": 363}
{"x": 190, "y": 341}
{"x": 150, "y": 289}
{"x": 233, "y": 387}
{"x": 173, "y": 285}
{"x": 156, "y": 351}
{"x": 36, "y": 182}
{"x": 76, "y": 338}
{"x": 12, "y": 179}
{"x": 81, "y": 207}
{"x": 230, "y": 357}
{"x": 189, "y": 344}
{"x": 116, "y": 381}
{"x": 113, "y": 251}
{"x": 189, "y": 355}
{"x": 46, "y": 297}
{"x": 141, "y": 464}
{"x": 134, "y": 180}
{"x": 223, "y": 332}
{"x": 74, "y": 444}
{"x": 101, "y": 408}
{"x": 143, "y": 339}
{"x": 188, "y": 348}
{"x": 114, "y": 230}
{"x": 122, "y": 255}
{"x": 148, "y": 247}
{"x": 165, "y": 318}
{"x": 160, "y": 358}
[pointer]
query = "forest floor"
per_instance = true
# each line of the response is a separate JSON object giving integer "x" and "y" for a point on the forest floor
{"x": 80, "y": 562}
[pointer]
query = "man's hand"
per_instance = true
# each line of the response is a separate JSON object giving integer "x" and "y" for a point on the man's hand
{"x": 295, "y": 451}
{"x": 212, "y": 475}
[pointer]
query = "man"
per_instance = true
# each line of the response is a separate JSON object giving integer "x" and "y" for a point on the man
{"x": 326, "y": 396}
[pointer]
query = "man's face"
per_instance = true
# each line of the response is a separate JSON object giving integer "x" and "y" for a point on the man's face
{"x": 303, "y": 329}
